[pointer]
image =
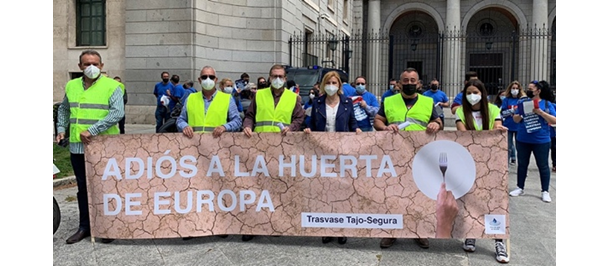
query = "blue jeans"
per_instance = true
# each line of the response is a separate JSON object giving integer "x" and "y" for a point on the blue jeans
{"x": 541, "y": 153}
{"x": 367, "y": 129}
{"x": 161, "y": 115}
{"x": 511, "y": 139}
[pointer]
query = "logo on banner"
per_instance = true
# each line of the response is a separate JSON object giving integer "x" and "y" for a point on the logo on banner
{"x": 495, "y": 224}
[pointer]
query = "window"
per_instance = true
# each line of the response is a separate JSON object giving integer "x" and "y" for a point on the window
{"x": 90, "y": 23}
{"x": 345, "y": 10}
{"x": 309, "y": 58}
{"x": 330, "y": 5}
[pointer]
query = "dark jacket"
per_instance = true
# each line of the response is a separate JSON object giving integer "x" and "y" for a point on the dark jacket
{"x": 345, "y": 117}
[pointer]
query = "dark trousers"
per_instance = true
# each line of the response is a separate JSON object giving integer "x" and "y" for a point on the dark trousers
{"x": 540, "y": 152}
{"x": 121, "y": 124}
{"x": 162, "y": 115}
{"x": 79, "y": 167}
{"x": 553, "y": 151}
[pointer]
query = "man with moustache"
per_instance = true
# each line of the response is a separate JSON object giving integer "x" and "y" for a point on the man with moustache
{"x": 407, "y": 106}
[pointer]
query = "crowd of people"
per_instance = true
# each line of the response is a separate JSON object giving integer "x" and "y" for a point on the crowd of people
{"x": 273, "y": 104}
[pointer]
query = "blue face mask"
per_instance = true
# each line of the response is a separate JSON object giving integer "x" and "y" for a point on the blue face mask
{"x": 502, "y": 98}
{"x": 391, "y": 88}
{"x": 360, "y": 89}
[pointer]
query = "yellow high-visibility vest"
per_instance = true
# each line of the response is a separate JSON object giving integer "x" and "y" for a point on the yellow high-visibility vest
{"x": 419, "y": 115}
{"x": 268, "y": 116}
{"x": 494, "y": 111}
{"x": 89, "y": 106}
{"x": 216, "y": 115}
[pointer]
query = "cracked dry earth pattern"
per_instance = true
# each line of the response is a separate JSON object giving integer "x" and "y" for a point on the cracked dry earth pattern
{"x": 290, "y": 193}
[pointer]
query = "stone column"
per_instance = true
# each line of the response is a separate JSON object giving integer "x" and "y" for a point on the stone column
{"x": 540, "y": 42}
{"x": 374, "y": 48}
{"x": 453, "y": 72}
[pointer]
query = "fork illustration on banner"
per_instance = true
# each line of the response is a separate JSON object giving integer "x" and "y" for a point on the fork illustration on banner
{"x": 442, "y": 163}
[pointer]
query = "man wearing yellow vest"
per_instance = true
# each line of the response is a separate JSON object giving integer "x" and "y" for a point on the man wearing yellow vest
{"x": 274, "y": 109}
{"x": 413, "y": 109}
{"x": 92, "y": 106}
{"x": 209, "y": 110}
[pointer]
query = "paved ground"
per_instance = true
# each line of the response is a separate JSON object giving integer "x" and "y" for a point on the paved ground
{"x": 533, "y": 240}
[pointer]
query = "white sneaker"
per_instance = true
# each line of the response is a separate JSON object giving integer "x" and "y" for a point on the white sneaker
{"x": 469, "y": 245}
{"x": 501, "y": 252}
{"x": 545, "y": 196}
{"x": 517, "y": 192}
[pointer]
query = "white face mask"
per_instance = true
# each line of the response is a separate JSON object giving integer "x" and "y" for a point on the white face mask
{"x": 228, "y": 90}
{"x": 473, "y": 98}
{"x": 207, "y": 84}
{"x": 311, "y": 96}
{"x": 514, "y": 92}
{"x": 277, "y": 83}
{"x": 331, "y": 89}
{"x": 92, "y": 71}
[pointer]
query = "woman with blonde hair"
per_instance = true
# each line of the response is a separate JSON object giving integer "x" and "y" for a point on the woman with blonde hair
{"x": 332, "y": 112}
{"x": 513, "y": 94}
{"x": 226, "y": 85}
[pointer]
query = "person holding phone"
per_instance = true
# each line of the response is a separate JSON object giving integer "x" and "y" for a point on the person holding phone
{"x": 534, "y": 136}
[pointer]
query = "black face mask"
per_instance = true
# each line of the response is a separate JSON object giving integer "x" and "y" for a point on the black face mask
{"x": 409, "y": 89}
{"x": 433, "y": 87}
{"x": 530, "y": 94}
{"x": 262, "y": 85}
{"x": 165, "y": 80}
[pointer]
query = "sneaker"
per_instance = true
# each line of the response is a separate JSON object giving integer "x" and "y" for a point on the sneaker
{"x": 501, "y": 252}
{"x": 512, "y": 162}
{"x": 545, "y": 196}
{"x": 516, "y": 192}
{"x": 469, "y": 245}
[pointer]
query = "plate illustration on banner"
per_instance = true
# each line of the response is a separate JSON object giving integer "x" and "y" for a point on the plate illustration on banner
{"x": 460, "y": 168}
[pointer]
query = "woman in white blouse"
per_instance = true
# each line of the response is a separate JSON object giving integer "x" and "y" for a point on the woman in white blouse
{"x": 332, "y": 112}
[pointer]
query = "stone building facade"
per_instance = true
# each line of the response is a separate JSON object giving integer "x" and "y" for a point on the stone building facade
{"x": 142, "y": 38}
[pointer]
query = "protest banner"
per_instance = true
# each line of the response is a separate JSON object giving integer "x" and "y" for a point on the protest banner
{"x": 372, "y": 184}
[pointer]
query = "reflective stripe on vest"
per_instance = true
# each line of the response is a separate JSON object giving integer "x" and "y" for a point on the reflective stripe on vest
{"x": 419, "y": 115}
{"x": 268, "y": 116}
{"x": 494, "y": 111}
{"x": 216, "y": 114}
{"x": 87, "y": 107}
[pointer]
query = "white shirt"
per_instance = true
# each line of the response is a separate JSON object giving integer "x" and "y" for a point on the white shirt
{"x": 330, "y": 113}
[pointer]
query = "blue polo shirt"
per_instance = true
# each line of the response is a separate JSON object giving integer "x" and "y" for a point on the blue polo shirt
{"x": 508, "y": 104}
{"x": 178, "y": 92}
{"x": 458, "y": 99}
{"x": 160, "y": 89}
{"x": 348, "y": 90}
{"x": 541, "y": 136}
{"x": 438, "y": 96}
{"x": 387, "y": 93}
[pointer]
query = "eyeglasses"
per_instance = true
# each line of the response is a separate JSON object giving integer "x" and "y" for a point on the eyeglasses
{"x": 212, "y": 77}
{"x": 277, "y": 76}
{"x": 360, "y": 83}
